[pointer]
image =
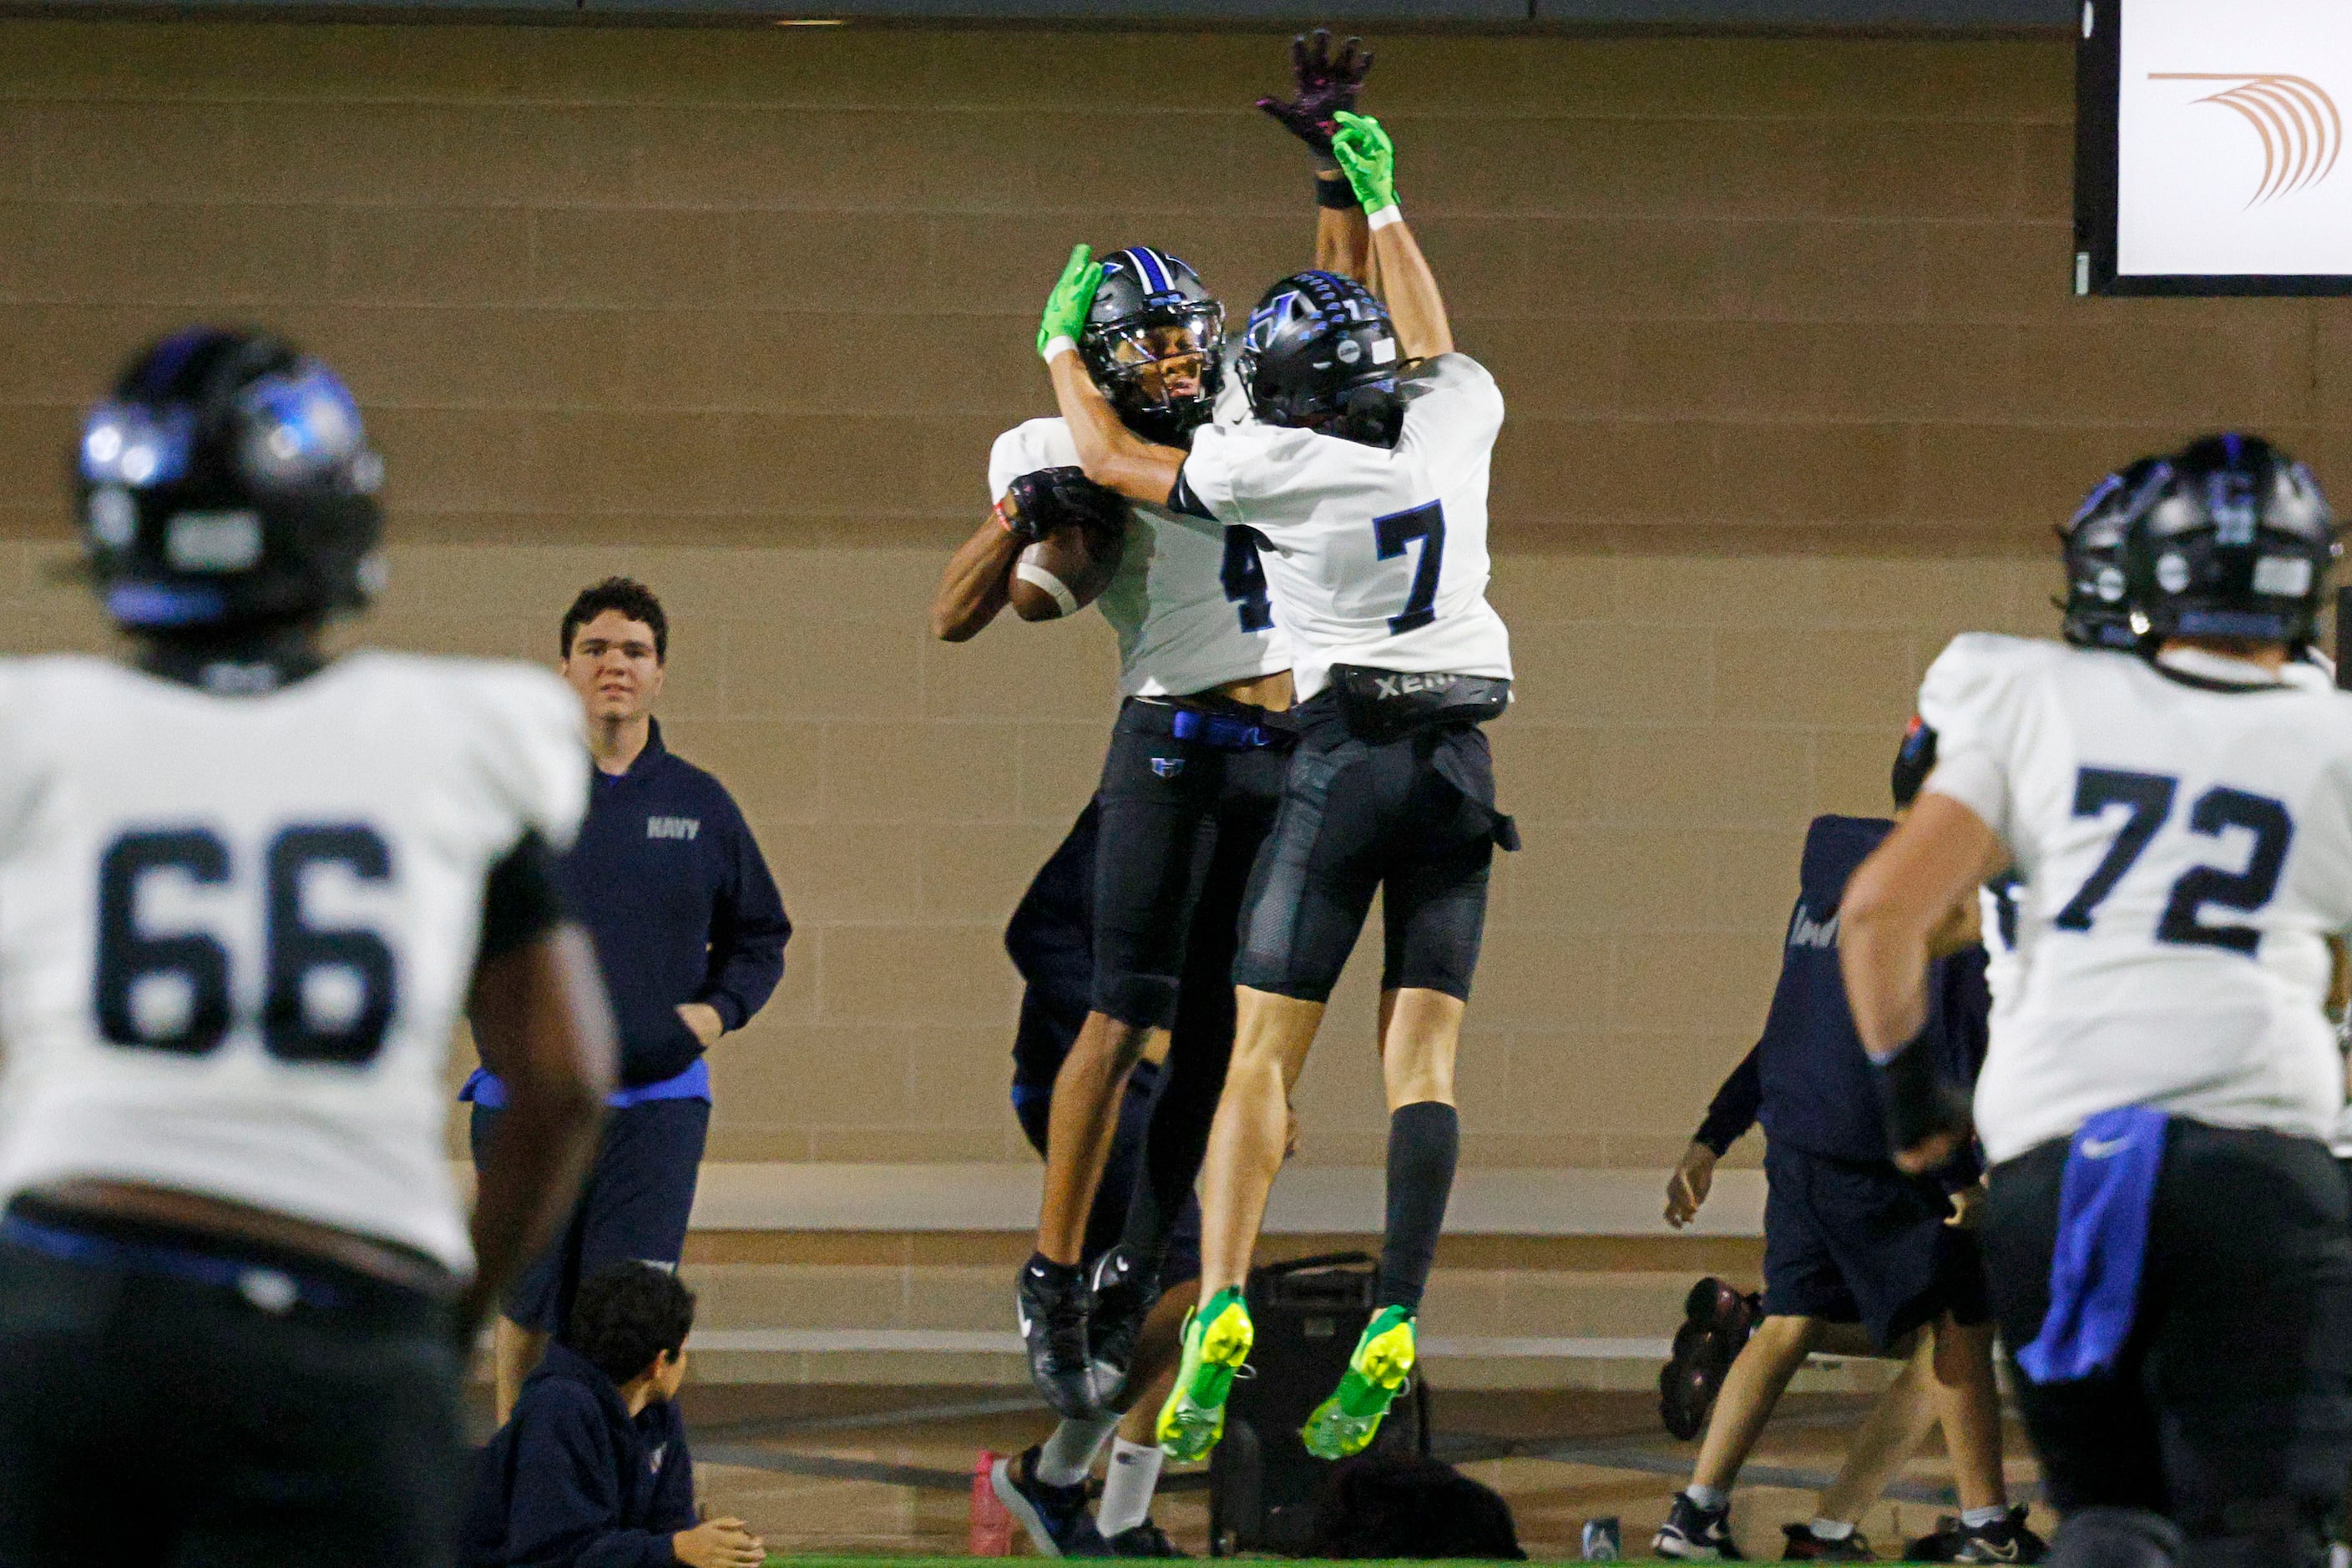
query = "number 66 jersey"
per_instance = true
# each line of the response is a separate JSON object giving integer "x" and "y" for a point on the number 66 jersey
{"x": 2183, "y": 833}
{"x": 235, "y": 932}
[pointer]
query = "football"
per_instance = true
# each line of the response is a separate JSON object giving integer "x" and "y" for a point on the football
{"x": 1064, "y": 572}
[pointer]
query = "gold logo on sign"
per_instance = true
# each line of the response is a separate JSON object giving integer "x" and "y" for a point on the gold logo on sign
{"x": 2301, "y": 131}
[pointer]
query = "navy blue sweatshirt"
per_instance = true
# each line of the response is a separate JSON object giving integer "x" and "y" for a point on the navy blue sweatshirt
{"x": 574, "y": 1481}
{"x": 1808, "y": 1079}
{"x": 669, "y": 880}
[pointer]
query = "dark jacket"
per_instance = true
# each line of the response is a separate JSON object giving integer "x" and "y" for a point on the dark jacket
{"x": 667, "y": 878}
{"x": 574, "y": 1481}
{"x": 1808, "y": 1079}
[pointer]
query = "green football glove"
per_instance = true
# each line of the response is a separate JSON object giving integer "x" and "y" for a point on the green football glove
{"x": 1072, "y": 296}
{"x": 1367, "y": 157}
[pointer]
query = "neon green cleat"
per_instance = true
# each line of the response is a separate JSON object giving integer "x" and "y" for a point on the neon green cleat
{"x": 1346, "y": 1423}
{"x": 1217, "y": 1338}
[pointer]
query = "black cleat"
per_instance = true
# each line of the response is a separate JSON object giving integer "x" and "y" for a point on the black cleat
{"x": 2006, "y": 1540}
{"x": 1051, "y": 1303}
{"x": 1123, "y": 1298}
{"x": 1804, "y": 1546}
{"x": 1717, "y": 1322}
{"x": 1145, "y": 1540}
{"x": 1695, "y": 1535}
{"x": 1055, "y": 1517}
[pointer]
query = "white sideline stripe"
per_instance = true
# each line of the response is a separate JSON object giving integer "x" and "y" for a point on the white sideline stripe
{"x": 1312, "y": 1200}
{"x": 986, "y": 1342}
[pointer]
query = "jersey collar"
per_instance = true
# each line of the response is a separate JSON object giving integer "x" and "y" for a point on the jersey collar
{"x": 2210, "y": 672}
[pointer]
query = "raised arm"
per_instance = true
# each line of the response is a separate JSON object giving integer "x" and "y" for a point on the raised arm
{"x": 1368, "y": 159}
{"x": 1325, "y": 81}
{"x": 1112, "y": 455}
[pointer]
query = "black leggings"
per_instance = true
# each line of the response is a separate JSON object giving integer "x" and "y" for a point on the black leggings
{"x": 2230, "y": 1410}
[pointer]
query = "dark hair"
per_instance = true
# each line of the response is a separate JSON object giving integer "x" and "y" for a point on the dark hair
{"x": 1915, "y": 759}
{"x": 626, "y": 594}
{"x": 627, "y": 1314}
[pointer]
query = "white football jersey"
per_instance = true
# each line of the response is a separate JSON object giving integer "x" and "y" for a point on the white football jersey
{"x": 1997, "y": 921}
{"x": 235, "y": 932}
{"x": 1192, "y": 611}
{"x": 1377, "y": 556}
{"x": 2183, "y": 853}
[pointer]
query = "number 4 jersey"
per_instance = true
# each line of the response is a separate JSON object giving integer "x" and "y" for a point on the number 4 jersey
{"x": 2182, "y": 836}
{"x": 1377, "y": 556}
{"x": 235, "y": 932}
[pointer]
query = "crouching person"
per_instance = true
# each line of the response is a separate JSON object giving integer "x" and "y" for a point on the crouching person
{"x": 592, "y": 1470}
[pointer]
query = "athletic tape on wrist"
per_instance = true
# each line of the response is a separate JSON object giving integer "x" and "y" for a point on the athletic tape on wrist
{"x": 1385, "y": 216}
{"x": 1063, "y": 344}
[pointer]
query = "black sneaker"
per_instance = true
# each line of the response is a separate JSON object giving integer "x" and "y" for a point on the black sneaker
{"x": 1717, "y": 1322}
{"x": 1145, "y": 1540}
{"x": 1055, "y": 1517}
{"x": 1051, "y": 1303}
{"x": 1123, "y": 1299}
{"x": 1804, "y": 1546}
{"x": 2006, "y": 1540}
{"x": 1695, "y": 1535}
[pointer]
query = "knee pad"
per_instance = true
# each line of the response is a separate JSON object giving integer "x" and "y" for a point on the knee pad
{"x": 2115, "y": 1538}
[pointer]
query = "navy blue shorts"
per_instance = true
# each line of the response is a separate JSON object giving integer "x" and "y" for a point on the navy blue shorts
{"x": 639, "y": 1193}
{"x": 1849, "y": 1242}
{"x": 1033, "y": 1105}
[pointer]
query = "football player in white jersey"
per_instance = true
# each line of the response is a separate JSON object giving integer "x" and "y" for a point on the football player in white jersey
{"x": 2165, "y": 1230}
{"x": 246, "y": 892}
{"x": 1365, "y": 481}
{"x": 1189, "y": 789}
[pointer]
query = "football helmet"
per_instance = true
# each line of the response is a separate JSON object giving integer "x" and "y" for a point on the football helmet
{"x": 227, "y": 483}
{"x": 2231, "y": 539}
{"x": 2098, "y": 612}
{"x": 1320, "y": 353}
{"x": 1152, "y": 343}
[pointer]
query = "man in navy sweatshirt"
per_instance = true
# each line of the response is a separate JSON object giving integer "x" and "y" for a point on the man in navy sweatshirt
{"x": 690, "y": 932}
{"x": 1848, "y": 1239}
{"x": 592, "y": 1470}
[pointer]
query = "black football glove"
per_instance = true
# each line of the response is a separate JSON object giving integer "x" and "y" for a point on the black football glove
{"x": 1328, "y": 83}
{"x": 1923, "y": 1114}
{"x": 1046, "y": 501}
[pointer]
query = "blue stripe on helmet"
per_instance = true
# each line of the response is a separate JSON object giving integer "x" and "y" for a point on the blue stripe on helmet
{"x": 1157, "y": 279}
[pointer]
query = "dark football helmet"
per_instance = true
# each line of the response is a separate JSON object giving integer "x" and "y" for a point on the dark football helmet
{"x": 2231, "y": 539}
{"x": 227, "y": 483}
{"x": 1915, "y": 759}
{"x": 1152, "y": 343}
{"x": 2099, "y": 608}
{"x": 1320, "y": 353}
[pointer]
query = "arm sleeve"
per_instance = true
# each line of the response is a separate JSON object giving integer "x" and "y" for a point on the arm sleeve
{"x": 1969, "y": 700}
{"x": 748, "y": 928}
{"x": 520, "y": 899}
{"x": 567, "y": 1499}
{"x": 1733, "y": 1111}
{"x": 1452, "y": 409}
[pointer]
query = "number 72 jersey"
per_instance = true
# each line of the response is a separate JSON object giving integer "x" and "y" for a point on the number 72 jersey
{"x": 2183, "y": 846}
{"x": 237, "y": 932}
{"x": 1375, "y": 555}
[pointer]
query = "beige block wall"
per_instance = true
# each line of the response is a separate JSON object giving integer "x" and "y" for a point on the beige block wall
{"x": 1796, "y": 393}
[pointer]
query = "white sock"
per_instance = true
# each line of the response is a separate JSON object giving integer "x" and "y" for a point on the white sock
{"x": 1831, "y": 1529}
{"x": 1069, "y": 1453}
{"x": 1127, "y": 1485}
{"x": 1707, "y": 1498}
{"x": 1977, "y": 1518}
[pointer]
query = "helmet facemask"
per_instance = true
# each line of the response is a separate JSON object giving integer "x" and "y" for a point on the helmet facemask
{"x": 1158, "y": 367}
{"x": 2235, "y": 542}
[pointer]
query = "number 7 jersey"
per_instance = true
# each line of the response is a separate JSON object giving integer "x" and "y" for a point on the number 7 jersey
{"x": 1376, "y": 555}
{"x": 2182, "y": 836}
{"x": 237, "y": 932}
